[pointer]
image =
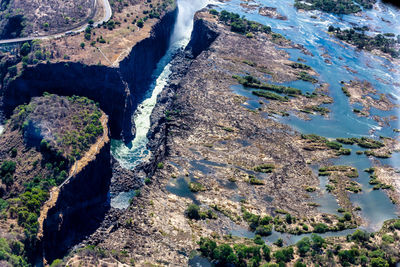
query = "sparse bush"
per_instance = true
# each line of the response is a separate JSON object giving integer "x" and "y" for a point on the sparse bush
{"x": 193, "y": 212}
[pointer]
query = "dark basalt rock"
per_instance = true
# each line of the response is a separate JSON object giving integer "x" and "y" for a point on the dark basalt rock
{"x": 116, "y": 89}
{"x": 204, "y": 33}
{"x": 393, "y": 2}
{"x": 80, "y": 208}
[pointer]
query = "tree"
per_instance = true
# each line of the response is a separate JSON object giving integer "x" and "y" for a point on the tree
{"x": 207, "y": 246}
{"x": 140, "y": 23}
{"x": 264, "y": 230}
{"x": 303, "y": 246}
{"x": 7, "y": 167}
{"x": 223, "y": 253}
{"x": 284, "y": 255}
{"x": 397, "y": 225}
{"x": 25, "y": 49}
{"x": 193, "y": 212}
{"x": 347, "y": 216}
{"x": 320, "y": 228}
{"x": 317, "y": 241}
{"x": 379, "y": 262}
{"x": 267, "y": 252}
{"x": 7, "y": 179}
{"x": 13, "y": 71}
{"x": 360, "y": 236}
{"x": 289, "y": 218}
{"x": 299, "y": 264}
{"x": 82, "y": 45}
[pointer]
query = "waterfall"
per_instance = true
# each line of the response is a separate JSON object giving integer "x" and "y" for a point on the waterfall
{"x": 129, "y": 156}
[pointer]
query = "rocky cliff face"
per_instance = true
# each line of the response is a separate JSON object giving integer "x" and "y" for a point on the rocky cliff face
{"x": 80, "y": 207}
{"x": 204, "y": 33}
{"x": 116, "y": 89}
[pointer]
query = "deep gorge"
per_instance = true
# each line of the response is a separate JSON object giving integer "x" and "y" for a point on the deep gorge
{"x": 83, "y": 201}
{"x": 116, "y": 89}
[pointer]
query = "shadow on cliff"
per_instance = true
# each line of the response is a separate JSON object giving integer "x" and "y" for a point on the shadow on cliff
{"x": 80, "y": 208}
{"x": 117, "y": 90}
{"x": 393, "y": 2}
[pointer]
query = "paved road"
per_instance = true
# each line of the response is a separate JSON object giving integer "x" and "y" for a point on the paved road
{"x": 106, "y": 17}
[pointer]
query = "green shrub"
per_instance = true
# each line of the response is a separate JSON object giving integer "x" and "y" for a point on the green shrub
{"x": 3, "y": 204}
{"x": 347, "y": 216}
{"x": 264, "y": 230}
{"x": 379, "y": 262}
{"x": 196, "y": 187}
{"x": 396, "y": 225}
{"x": 334, "y": 145}
{"x": 360, "y": 236}
{"x": 299, "y": 264}
{"x": 302, "y": 66}
{"x": 14, "y": 152}
{"x": 25, "y": 49}
{"x": 388, "y": 238}
{"x": 265, "y": 220}
{"x": 284, "y": 254}
{"x": 7, "y": 167}
{"x": 57, "y": 263}
{"x": 214, "y": 12}
{"x": 279, "y": 242}
{"x": 321, "y": 228}
{"x": 258, "y": 240}
{"x": 255, "y": 181}
{"x": 306, "y": 77}
{"x": 266, "y": 252}
{"x": 140, "y": 23}
{"x": 265, "y": 168}
{"x": 348, "y": 256}
{"x": 303, "y": 246}
{"x": 193, "y": 212}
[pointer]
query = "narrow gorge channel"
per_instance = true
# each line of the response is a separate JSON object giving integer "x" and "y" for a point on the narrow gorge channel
{"x": 131, "y": 155}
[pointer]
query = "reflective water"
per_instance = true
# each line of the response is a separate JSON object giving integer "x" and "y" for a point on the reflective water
{"x": 342, "y": 122}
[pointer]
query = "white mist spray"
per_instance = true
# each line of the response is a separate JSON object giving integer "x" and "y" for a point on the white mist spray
{"x": 130, "y": 156}
{"x": 184, "y": 24}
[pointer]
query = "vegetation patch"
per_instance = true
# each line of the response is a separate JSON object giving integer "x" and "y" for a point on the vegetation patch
{"x": 265, "y": 168}
{"x": 319, "y": 142}
{"x": 39, "y": 159}
{"x": 334, "y": 6}
{"x": 364, "y": 142}
{"x": 356, "y": 36}
{"x": 194, "y": 212}
{"x": 252, "y": 82}
{"x": 302, "y": 75}
{"x": 348, "y": 171}
{"x": 238, "y": 24}
{"x": 196, "y": 187}
{"x": 301, "y": 66}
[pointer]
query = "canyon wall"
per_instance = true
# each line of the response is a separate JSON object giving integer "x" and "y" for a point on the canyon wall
{"x": 202, "y": 37}
{"x": 116, "y": 89}
{"x": 81, "y": 205}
